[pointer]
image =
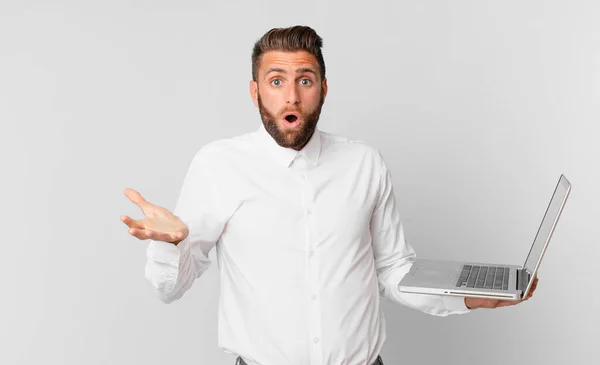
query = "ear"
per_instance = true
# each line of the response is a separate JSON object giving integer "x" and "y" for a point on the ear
{"x": 254, "y": 92}
{"x": 324, "y": 88}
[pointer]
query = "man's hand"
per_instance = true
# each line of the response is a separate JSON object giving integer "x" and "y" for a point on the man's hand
{"x": 159, "y": 224}
{"x": 473, "y": 303}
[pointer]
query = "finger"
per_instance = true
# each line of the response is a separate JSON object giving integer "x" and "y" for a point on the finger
{"x": 141, "y": 234}
{"x": 132, "y": 223}
{"x": 534, "y": 285}
{"x": 137, "y": 199}
{"x": 148, "y": 234}
{"x": 166, "y": 237}
{"x": 530, "y": 293}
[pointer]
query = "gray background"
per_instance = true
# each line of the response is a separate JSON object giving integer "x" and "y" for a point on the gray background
{"x": 477, "y": 106}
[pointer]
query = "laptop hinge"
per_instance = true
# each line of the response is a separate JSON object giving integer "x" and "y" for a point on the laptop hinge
{"x": 522, "y": 279}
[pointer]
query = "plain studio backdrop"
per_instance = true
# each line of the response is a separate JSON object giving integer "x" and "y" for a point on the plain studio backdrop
{"x": 477, "y": 107}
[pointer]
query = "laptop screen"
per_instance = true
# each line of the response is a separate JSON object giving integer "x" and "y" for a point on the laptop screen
{"x": 548, "y": 223}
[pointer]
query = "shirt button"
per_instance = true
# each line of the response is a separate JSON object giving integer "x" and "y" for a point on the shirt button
{"x": 314, "y": 296}
{"x": 312, "y": 253}
{"x": 309, "y": 211}
{"x": 316, "y": 340}
{"x": 303, "y": 176}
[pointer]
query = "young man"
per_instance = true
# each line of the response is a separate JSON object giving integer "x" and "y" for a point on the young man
{"x": 305, "y": 223}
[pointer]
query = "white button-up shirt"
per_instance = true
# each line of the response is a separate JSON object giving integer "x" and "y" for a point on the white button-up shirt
{"x": 307, "y": 243}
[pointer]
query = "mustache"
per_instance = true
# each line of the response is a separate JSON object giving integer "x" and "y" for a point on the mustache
{"x": 290, "y": 110}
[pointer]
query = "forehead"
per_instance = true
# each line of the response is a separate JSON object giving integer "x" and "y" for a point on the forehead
{"x": 288, "y": 60}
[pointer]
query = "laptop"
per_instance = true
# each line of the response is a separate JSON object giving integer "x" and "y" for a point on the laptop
{"x": 487, "y": 280}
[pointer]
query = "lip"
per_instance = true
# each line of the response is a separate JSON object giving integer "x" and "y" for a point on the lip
{"x": 291, "y": 113}
{"x": 294, "y": 123}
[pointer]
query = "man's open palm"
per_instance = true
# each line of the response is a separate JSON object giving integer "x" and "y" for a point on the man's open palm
{"x": 159, "y": 224}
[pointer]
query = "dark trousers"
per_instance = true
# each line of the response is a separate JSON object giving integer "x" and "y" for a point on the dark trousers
{"x": 239, "y": 361}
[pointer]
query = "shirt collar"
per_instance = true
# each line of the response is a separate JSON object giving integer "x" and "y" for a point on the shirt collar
{"x": 285, "y": 156}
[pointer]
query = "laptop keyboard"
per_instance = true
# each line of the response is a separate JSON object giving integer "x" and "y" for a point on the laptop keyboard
{"x": 483, "y": 277}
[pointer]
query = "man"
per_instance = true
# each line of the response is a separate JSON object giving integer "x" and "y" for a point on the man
{"x": 305, "y": 223}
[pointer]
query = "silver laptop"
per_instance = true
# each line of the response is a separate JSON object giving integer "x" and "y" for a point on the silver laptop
{"x": 485, "y": 280}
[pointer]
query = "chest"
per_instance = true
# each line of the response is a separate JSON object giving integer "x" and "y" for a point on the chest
{"x": 329, "y": 200}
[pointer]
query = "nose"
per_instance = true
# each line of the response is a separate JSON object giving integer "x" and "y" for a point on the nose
{"x": 292, "y": 95}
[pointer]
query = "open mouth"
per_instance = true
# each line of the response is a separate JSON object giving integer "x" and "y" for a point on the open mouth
{"x": 291, "y": 117}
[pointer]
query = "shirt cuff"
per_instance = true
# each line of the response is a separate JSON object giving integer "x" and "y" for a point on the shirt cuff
{"x": 455, "y": 304}
{"x": 162, "y": 268}
{"x": 166, "y": 252}
{"x": 163, "y": 253}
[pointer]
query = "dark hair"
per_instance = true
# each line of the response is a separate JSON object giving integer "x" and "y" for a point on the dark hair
{"x": 296, "y": 38}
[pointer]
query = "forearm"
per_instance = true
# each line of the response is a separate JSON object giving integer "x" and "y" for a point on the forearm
{"x": 171, "y": 269}
{"x": 438, "y": 305}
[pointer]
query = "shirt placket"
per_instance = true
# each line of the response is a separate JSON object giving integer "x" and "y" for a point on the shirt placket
{"x": 312, "y": 257}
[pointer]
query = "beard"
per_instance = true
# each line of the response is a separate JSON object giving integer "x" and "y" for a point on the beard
{"x": 291, "y": 138}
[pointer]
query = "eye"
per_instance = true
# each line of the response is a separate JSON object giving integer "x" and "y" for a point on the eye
{"x": 276, "y": 82}
{"x": 305, "y": 82}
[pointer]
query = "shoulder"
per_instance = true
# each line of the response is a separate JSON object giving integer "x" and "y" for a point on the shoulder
{"x": 358, "y": 150}
{"x": 225, "y": 148}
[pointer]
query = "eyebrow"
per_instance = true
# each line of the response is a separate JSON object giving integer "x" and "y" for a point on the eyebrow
{"x": 298, "y": 71}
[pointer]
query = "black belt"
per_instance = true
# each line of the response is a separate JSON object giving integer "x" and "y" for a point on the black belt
{"x": 378, "y": 361}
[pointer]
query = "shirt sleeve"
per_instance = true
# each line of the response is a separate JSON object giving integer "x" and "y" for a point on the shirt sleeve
{"x": 171, "y": 269}
{"x": 394, "y": 256}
